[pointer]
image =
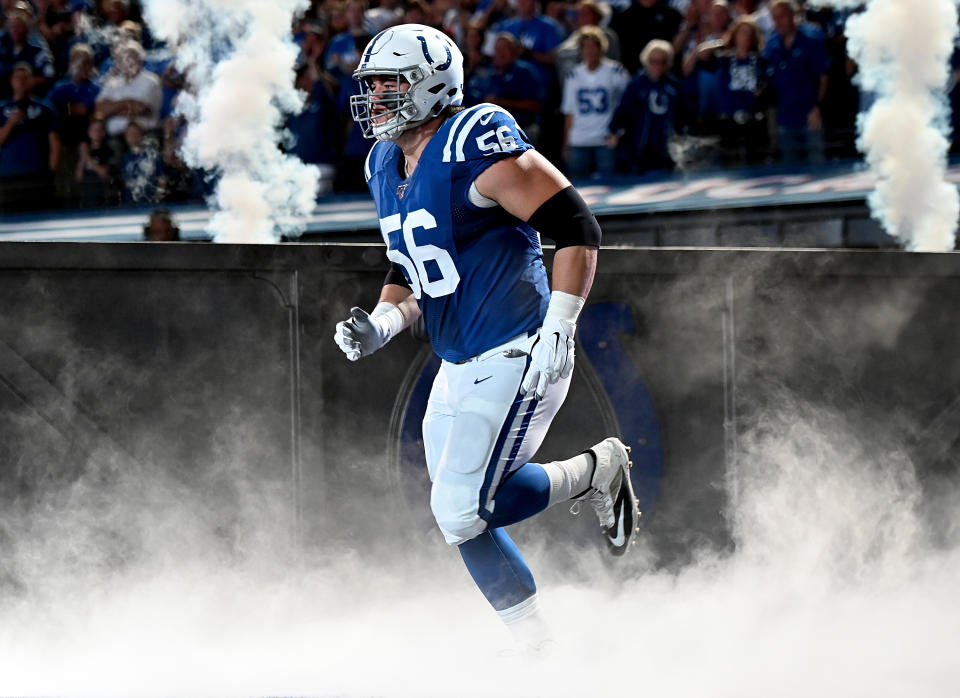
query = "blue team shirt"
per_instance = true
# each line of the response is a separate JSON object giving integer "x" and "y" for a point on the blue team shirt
{"x": 739, "y": 82}
{"x": 647, "y": 113}
{"x": 35, "y": 52}
{"x": 477, "y": 272}
{"x": 795, "y": 74}
{"x": 316, "y": 128}
{"x": 518, "y": 80}
{"x": 540, "y": 34}
{"x": 67, "y": 92}
{"x": 27, "y": 149}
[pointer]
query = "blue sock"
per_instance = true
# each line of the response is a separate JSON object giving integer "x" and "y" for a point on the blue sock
{"x": 492, "y": 558}
{"x": 525, "y": 492}
{"x": 498, "y": 568}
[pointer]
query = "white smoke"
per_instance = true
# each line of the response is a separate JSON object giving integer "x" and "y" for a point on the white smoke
{"x": 835, "y": 588}
{"x": 239, "y": 57}
{"x": 903, "y": 50}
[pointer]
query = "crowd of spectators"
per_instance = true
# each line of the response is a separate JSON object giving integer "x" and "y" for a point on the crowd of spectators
{"x": 88, "y": 98}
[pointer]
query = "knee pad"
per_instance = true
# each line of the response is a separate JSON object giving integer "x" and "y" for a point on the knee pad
{"x": 456, "y": 512}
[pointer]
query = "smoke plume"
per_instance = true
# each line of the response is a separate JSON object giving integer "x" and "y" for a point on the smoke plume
{"x": 124, "y": 584}
{"x": 903, "y": 51}
{"x": 238, "y": 56}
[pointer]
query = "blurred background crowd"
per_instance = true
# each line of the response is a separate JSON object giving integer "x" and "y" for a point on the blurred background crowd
{"x": 88, "y": 98}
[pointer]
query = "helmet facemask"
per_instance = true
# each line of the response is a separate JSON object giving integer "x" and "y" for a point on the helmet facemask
{"x": 401, "y": 111}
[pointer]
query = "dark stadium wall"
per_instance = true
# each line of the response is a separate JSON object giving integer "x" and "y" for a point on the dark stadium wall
{"x": 153, "y": 373}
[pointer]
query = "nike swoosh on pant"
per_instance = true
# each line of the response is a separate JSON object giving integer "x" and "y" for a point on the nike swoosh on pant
{"x": 481, "y": 380}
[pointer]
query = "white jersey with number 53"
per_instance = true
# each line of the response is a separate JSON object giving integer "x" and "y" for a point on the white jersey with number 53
{"x": 476, "y": 270}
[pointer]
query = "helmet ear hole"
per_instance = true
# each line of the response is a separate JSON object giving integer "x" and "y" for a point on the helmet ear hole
{"x": 436, "y": 88}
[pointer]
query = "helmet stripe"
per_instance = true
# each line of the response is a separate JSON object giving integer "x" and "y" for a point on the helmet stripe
{"x": 446, "y": 65}
{"x": 370, "y": 46}
{"x": 426, "y": 54}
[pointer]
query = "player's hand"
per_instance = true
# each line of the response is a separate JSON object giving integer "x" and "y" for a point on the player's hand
{"x": 359, "y": 335}
{"x": 362, "y": 334}
{"x": 551, "y": 357}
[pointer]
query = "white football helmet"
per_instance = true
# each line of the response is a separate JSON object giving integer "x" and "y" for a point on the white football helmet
{"x": 424, "y": 57}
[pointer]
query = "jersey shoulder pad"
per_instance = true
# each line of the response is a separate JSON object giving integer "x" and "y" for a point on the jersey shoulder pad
{"x": 375, "y": 159}
{"x": 483, "y": 131}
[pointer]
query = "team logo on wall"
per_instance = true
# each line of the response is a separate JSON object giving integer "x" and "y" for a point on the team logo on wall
{"x": 616, "y": 396}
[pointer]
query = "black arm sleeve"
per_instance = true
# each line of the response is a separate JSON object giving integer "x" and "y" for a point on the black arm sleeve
{"x": 395, "y": 276}
{"x": 566, "y": 219}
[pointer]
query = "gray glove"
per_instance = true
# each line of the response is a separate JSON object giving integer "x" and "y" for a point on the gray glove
{"x": 362, "y": 333}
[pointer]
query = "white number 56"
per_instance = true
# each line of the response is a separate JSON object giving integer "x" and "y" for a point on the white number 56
{"x": 505, "y": 141}
{"x": 415, "y": 264}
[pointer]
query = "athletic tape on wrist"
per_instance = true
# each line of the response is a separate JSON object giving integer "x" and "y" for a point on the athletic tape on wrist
{"x": 565, "y": 306}
{"x": 388, "y": 317}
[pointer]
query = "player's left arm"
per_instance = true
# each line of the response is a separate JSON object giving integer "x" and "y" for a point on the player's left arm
{"x": 532, "y": 189}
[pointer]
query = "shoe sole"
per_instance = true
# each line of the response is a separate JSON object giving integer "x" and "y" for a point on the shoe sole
{"x": 626, "y": 514}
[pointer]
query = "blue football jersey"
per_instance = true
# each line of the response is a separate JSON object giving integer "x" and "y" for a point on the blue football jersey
{"x": 477, "y": 271}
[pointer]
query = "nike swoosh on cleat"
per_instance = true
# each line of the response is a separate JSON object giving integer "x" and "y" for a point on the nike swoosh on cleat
{"x": 480, "y": 380}
{"x": 621, "y": 538}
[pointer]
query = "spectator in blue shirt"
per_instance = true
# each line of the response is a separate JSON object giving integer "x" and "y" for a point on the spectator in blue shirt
{"x": 511, "y": 83}
{"x": 797, "y": 66}
{"x": 343, "y": 51}
{"x": 647, "y": 115}
{"x": 56, "y": 26}
{"x": 29, "y": 145}
{"x": 538, "y": 35}
{"x": 741, "y": 74}
{"x": 75, "y": 97}
{"x": 20, "y": 43}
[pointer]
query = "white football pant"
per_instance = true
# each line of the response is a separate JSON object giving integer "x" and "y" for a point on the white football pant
{"x": 477, "y": 429}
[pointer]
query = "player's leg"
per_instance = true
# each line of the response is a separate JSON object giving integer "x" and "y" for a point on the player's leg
{"x": 475, "y": 420}
{"x": 599, "y": 476}
{"x": 483, "y": 452}
{"x": 502, "y": 575}
{"x": 470, "y": 454}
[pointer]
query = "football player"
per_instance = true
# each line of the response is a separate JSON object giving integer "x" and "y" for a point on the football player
{"x": 462, "y": 197}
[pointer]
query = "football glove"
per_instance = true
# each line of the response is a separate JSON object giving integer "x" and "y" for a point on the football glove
{"x": 363, "y": 333}
{"x": 552, "y": 353}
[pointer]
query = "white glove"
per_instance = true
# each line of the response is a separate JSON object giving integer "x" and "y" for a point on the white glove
{"x": 551, "y": 356}
{"x": 362, "y": 333}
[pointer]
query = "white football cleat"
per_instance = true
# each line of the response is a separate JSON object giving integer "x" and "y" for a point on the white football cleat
{"x": 611, "y": 494}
